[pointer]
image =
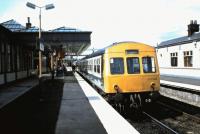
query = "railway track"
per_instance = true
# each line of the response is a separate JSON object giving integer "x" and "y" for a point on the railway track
{"x": 195, "y": 117}
{"x": 175, "y": 118}
{"x": 163, "y": 118}
{"x": 147, "y": 124}
{"x": 160, "y": 123}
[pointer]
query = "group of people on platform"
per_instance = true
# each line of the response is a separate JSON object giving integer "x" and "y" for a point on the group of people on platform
{"x": 62, "y": 69}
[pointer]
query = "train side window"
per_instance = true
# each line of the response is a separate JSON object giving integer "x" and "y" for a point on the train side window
{"x": 133, "y": 65}
{"x": 98, "y": 65}
{"x": 148, "y": 65}
{"x": 116, "y": 66}
{"x": 95, "y": 66}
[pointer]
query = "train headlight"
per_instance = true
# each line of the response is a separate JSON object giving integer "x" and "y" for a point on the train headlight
{"x": 153, "y": 85}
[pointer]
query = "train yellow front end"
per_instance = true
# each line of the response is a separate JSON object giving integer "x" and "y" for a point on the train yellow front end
{"x": 131, "y": 68}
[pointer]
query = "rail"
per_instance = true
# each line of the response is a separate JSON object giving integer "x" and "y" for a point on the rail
{"x": 160, "y": 123}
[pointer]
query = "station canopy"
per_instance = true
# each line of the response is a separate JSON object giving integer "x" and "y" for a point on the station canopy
{"x": 70, "y": 40}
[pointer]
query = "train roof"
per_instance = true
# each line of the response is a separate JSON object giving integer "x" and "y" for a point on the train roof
{"x": 102, "y": 51}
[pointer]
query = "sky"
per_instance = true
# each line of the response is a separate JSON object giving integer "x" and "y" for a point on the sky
{"x": 146, "y": 21}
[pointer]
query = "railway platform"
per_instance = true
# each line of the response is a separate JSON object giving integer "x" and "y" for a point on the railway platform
{"x": 190, "y": 83}
{"x": 16, "y": 89}
{"x": 186, "y": 90}
{"x": 83, "y": 110}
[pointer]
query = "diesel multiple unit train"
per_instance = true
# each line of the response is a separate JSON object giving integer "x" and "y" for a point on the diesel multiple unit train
{"x": 125, "y": 72}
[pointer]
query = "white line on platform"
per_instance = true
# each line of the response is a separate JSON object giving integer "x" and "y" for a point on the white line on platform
{"x": 112, "y": 121}
{"x": 194, "y": 87}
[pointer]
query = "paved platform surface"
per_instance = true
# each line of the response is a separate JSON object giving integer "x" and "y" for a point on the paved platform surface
{"x": 11, "y": 92}
{"x": 76, "y": 114}
{"x": 189, "y": 83}
{"x": 112, "y": 121}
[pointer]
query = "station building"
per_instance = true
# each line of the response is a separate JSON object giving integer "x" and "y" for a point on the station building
{"x": 181, "y": 56}
{"x": 19, "y": 51}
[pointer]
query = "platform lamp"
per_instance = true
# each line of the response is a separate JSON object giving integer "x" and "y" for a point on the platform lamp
{"x": 41, "y": 46}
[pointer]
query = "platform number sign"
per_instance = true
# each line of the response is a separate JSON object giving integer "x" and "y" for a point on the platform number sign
{"x": 40, "y": 44}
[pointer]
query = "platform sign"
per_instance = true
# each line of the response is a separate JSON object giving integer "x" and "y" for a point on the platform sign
{"x": 41, "y": 46}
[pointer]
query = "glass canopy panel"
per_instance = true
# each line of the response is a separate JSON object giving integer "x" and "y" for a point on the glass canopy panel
{"x": 12, "y": 25}
{"x": 65, "y": 29}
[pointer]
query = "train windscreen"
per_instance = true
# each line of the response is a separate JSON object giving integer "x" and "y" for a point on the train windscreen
{"x": 116, "y": 66}
{"x": 148, "y": 65}
{"x": 133, "y": 65}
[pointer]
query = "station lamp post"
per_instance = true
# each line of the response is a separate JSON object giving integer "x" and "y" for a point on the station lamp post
{"x": 41, "y": 46}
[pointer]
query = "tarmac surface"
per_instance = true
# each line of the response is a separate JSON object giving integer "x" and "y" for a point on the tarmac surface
{"x": 191, "y": 81}
{"x": 76, "y": 114}
{"x": 34, "y": 112}
{"x": 65, "y": 105}
{"x": 10, "y": 92}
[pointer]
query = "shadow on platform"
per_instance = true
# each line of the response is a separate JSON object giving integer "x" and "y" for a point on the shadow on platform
{"x": 35, "y": 112}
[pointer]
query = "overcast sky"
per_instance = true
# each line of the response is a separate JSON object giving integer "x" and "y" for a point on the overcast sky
{"x": 147, "y": 21}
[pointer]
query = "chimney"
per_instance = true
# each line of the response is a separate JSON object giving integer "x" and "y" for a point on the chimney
{"x": 28, "y": 25}
{"x": 193, "y": 27}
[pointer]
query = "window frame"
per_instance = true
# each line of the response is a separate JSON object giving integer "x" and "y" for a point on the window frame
{"x": 174, "y": 59}
{"x": 188, "y": 58}
{"x": 122, "y": 72}
{"x": 133, "y": 64}
{"x": 155, "y": 69}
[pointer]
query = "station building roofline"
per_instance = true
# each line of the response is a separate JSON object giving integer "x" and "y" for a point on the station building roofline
{"x": 71, "y": 39}
{"x": 180, "y": 40}
{"x": 14, "y": 26}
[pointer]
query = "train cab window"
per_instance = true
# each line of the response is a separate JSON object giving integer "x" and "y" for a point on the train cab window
{"x": 116, "y": 66}
{"x": 148, "y": 65}
{"x": 133, "y": 65}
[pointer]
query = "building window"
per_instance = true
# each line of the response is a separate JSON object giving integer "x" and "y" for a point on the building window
{"x": 13, "y": 58}
{"x": 174, "y": 59}
{"x": 116, "y": 66}
{"x": 8, "y": 58}
{"x": 188, "y": 58}
{"x": 0, "y": 58}
{"x": 148, "y": 65}
{"x": 133, "y": 65}
{"x": 18, "y": 58}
